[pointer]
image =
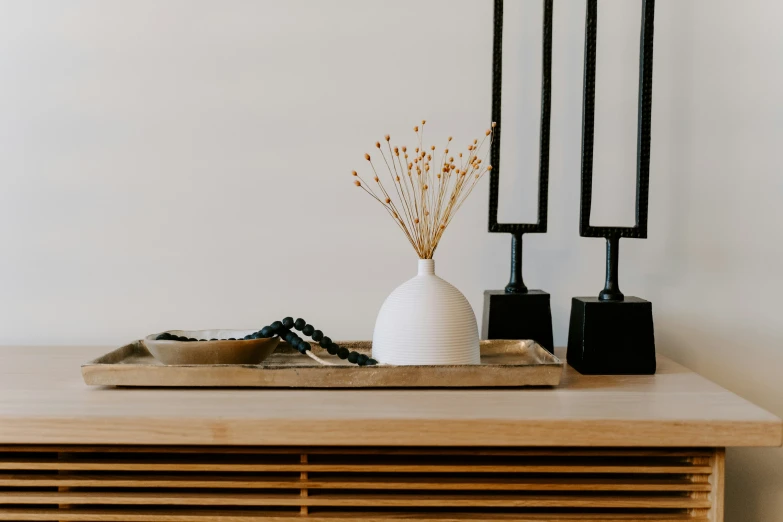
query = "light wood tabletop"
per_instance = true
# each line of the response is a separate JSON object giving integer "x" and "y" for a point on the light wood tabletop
{"x": 43, "y": 400}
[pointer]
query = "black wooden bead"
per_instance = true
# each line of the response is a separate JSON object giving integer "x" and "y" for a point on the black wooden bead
{"x": 248, "y": 336}
{"x": 300, "y": 323}
{"x": 332, "y": 349}
{"x": 288, "y": 322}
{"x": 317, "y": 335}
{"x": 192, "y": 339}
{"x": 289, "y": 337}
{"x": 371, "y": 362}
{"x": 353, "y": 357}
{"x": 304, "y": 345}
{"x": 277, "y": 326}
{"x": 267, "y": 331}
{"x": 232, "y": 339}
{"x": 213, "y": 339}
{"x": 362, "y": 359}
{"x": 202, "y": 339}
{"x": 343, "y": 353}
{"x": 308, "y": 329}
{"x": 165, "y": 336}
{"x": 325, "y": 342}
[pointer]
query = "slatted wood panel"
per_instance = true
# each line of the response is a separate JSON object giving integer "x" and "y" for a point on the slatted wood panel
{"x": 166, "y": 484}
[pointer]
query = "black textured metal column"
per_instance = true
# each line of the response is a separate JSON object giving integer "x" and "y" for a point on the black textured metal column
{"x": 516, "y": 285}
{"x": 516, "y": 312}
{"x": 612, "y": 333}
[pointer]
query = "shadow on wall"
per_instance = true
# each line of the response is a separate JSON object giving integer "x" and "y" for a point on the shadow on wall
{"x": 753, "y": 492}
{"x": 742, "y": 362}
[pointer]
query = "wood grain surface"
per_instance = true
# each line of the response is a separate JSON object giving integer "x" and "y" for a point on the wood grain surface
{"x": 216, "y": 483}
{"x": 503, "y": 364}
{"x": 44, "y": 401}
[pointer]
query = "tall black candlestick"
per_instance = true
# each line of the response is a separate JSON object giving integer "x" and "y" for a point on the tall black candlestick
{"x": 516, "y": 312}
{"x": 614, "y": 333}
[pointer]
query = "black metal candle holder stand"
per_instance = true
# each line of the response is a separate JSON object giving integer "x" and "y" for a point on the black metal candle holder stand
{"x": 611, "y": 333}
{"x": 516, "y": 312}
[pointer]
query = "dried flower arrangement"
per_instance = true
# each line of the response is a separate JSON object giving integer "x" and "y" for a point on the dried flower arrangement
{"x": 429, "y": 192}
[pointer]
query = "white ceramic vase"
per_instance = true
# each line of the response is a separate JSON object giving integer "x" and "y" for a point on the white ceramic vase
{"x": 426, "y": 321}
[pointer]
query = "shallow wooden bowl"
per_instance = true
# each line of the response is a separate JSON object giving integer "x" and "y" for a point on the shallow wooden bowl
{"x": 250, "y": 351}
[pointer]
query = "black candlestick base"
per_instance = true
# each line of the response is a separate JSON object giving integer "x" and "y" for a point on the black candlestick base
{"x": 611, "y": 337}
{"x": 518, "y": 316}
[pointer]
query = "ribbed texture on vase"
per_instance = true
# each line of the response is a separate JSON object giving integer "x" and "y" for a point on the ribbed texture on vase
{"x": 426, "y": 321}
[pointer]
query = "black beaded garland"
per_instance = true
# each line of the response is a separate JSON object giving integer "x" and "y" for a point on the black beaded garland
{"x": 283, "y": 330}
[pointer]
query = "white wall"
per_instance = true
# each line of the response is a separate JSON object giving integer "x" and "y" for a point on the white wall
{"x": 185, "y": 164}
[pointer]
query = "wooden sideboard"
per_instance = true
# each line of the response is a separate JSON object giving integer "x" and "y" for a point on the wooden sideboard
{"x": 621, "y": 448}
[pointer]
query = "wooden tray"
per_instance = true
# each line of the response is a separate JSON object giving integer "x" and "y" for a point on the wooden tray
{"x": 503, "y": 363}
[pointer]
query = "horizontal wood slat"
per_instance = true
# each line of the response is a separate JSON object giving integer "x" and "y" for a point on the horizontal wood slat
{"x": 76, "y": 515}
{"x": 439, "y": 483}
{"x": 359, "y": 450}
{"x": 139, "y": 484}
{"x": 353, "y": 500}
{"x": 270, "y": 468}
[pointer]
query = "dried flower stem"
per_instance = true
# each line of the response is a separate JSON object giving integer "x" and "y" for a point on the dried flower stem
{"x": 428, "y": 194}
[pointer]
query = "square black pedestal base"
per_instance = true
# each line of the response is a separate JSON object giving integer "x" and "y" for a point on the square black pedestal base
{"x": 518, "y": 316}
{"x": 611, "y": 337}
